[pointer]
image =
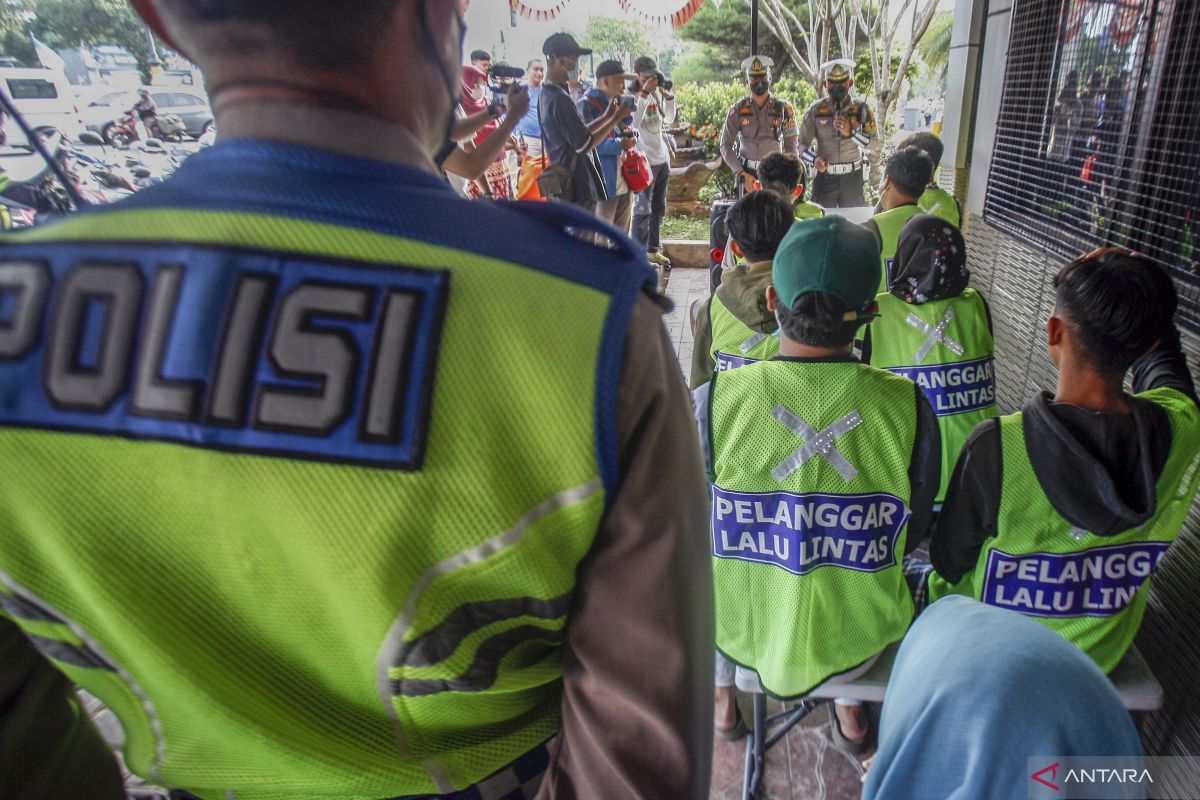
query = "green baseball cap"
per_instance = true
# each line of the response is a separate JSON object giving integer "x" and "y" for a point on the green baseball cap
{"x": 829, "y": 254}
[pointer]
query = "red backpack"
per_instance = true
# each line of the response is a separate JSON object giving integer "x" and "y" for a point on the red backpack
{"x": 636, "y": 171}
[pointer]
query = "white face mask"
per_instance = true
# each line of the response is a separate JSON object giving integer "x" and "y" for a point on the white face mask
{"x": 573, "y": 74}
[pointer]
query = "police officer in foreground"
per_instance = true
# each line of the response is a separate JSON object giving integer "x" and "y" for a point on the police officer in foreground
{"x": 764, "y": 123}
{"x": 842, "y": 127}
{"x": 250, "y": 498}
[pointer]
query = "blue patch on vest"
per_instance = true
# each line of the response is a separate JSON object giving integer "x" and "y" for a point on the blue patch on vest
{"x": 955, "y": 388}
{"x": 726, "y": 362}
{"x": 801, "y": 532}
{"x": 229, "y": 349}
{"x": 1100, "y": 582}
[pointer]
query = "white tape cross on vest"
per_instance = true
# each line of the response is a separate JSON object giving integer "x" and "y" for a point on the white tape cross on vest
{"x": 815, "y": 443}
{"x": 753, "y": 342}
{"x": 934, "y": 336}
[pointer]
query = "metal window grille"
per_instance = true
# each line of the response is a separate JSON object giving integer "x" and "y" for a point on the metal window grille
{"x": 1097, "y": 138}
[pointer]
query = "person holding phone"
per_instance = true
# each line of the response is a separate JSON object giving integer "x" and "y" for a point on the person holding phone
{"x": 610, "y": 86}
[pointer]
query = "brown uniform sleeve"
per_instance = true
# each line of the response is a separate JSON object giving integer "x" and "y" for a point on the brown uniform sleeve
{"x": 638, "y": 662}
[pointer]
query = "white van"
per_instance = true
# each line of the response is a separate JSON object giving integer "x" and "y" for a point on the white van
{"x": 44, "y": 98}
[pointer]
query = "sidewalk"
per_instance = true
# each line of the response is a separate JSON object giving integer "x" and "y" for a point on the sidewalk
{"x": 805, "y": 765}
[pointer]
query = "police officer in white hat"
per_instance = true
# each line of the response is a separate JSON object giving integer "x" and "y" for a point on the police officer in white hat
{"x": 842, "y": 127}
{"x": 765, "y": 123}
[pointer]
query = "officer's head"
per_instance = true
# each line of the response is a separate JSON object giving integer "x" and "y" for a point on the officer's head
{"x": 311, "y": 50}
{"x": 757, "y": 224}
{"x": 926, "y": 141}
{"x": 1111, "y": 307}
{"x": 823, "y": 283}
{"x": 908, "y": 174}
{"x": 758, "y": 75}
{"x": 562, "y": 57}
{"x": 783, "y": 174}
{"x": 838, "y": 81}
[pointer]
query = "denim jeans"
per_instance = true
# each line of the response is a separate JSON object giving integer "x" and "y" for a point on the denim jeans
{"x": 650, "y": 209}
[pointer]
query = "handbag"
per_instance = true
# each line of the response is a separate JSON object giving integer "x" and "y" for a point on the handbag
{"x": 636, "y": 171}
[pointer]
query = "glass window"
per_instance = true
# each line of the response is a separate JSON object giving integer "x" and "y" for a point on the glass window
{"x": 31, "y": 89}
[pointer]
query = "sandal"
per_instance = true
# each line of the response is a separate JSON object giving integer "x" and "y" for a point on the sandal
{"x": 737, "y": 731}
{"x": 851, "y": 746}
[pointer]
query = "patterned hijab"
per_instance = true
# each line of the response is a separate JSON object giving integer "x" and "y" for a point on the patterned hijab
{"x": 930, "y": 263}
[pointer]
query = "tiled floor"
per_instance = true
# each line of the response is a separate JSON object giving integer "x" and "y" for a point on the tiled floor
{"x": 805, "y": 765}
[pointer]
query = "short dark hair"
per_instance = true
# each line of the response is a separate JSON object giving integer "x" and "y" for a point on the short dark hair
{"x": 316, "y": 32}
{"x": 817, "y": 319}
{"x": 1117, "y": 306}
{"x": 926, "y": 141}
{"x": 910, "y": 170}
{"x": 780, "y": 172}
{"x": 758, "y": 222}
{"x": 480, "y": 55}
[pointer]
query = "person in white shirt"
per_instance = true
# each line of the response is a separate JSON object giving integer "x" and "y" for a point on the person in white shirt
{"x": 654, "y": 113}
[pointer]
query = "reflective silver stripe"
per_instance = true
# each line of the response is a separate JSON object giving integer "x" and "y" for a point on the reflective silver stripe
{"x": 438, "y": 644}
{"x": 95, "y": 649}
{"x": 72, "y": 654}
{"x": 816, "y": 443}
{"x": 934, "y": 335}
{"x": 21, "y": 608}
{"x": 484, "y": 669}
{"x": 1077, "y": 533}
{"x": 753, "y": 342}
{"x": 394, "y": 640}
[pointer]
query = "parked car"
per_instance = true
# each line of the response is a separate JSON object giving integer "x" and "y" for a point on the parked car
{"x": 191, "y": 107}
{"x": 44, "y": 98}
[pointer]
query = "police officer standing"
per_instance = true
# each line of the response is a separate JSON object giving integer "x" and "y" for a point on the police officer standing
{"x": 766, "y": 124}
{"x": 842, "y": 127}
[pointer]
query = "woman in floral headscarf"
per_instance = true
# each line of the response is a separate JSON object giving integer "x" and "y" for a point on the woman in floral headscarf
{"x": 496, "y": 182}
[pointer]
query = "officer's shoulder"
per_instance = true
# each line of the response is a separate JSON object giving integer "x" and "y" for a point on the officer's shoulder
{"x": 820, "y": 102}
{"x": 546, "y": 237}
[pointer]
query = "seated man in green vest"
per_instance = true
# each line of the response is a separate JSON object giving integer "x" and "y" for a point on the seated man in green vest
{"x": 908, "y": 172}
{"x": 735, "y": 326}
{"x": 1080, "y": 521}
{"x": 935, "y": 331}
{"x": 935, "y": 200}
{"x": 823, "y": 472}
{"x": 783, "y": 173}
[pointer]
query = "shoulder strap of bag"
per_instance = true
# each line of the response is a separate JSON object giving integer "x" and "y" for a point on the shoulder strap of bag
{"x": 574, "y": 156}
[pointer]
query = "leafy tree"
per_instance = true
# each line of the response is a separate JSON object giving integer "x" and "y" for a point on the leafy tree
{"x": 86, "y": 23}
{"x": 724, "y": 33}
{"x": 14, "y": 41}
{"x": 935, "y": 46}
{"x": 612, "y": 37}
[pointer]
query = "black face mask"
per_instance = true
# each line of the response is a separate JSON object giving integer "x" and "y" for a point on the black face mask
{"x": 760, "y": 87}
{"x": 839, "y": 93}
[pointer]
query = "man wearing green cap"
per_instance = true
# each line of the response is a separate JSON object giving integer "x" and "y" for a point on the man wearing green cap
{"x": 823, "y": 472}
{"x": 843, "y": 128}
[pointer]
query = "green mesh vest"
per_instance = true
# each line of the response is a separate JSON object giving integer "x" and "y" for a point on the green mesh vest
{"x": 734, "y": 343}
{"x": 806, "y": 209}
{"x": 941, "y": 204}
{"x": 945, "y": 347}
{"x": 367, "y": 610}
{"x": 1091, "y": 589}
{"x": 890, "y": 224}
{"x": 810, "y": 507}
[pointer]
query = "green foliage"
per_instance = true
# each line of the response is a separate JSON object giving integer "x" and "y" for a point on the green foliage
{"x": 612, "y": 37}
{"x": 935, "y": 44}
{"x": 681, "y": 227}
{"x": 698, "y": 67}
{"x": 72, "y": 23}
{"x": 864, "y": 83}
{"x": 726, "y": 32}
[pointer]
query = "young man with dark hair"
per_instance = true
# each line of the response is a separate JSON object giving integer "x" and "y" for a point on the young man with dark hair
{"x": 1063, "y": 510}
{"x": 934, "y": 200}
{"x": 735, "y": 327}
{"x": 908, "y": 172}
{"x": 815, "y": 461}
{"x": 268, "y": 527}
{"x": 783, "y": 173}
{"x": 481, "y": 59}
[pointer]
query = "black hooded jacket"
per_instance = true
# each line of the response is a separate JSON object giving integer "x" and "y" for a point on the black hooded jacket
{"x": 1098, "y": 470}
